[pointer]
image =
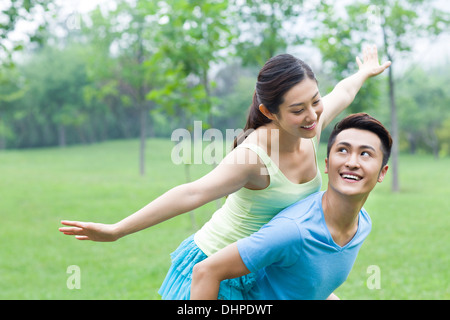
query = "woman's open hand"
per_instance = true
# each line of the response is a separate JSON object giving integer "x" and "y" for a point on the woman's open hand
{"x": 370, "y": 65}
{"x": 90, "y": 231}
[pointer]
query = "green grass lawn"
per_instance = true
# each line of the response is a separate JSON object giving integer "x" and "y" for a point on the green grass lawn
{"x": 100, "y": 183}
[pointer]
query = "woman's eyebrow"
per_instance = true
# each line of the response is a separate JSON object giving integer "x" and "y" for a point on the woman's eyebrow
{"x": 302, "y": 103}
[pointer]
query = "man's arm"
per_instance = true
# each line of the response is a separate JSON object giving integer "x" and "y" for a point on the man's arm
{"x": 206, "y": 275}
{"x": 276, "y": 242}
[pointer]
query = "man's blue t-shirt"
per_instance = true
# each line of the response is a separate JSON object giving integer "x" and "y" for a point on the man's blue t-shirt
{"x": 294, "y": 255}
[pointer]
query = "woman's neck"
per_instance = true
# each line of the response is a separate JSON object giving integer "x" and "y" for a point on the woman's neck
{"x": 278, "y": 138}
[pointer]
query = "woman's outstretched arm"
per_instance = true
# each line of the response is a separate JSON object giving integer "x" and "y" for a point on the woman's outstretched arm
{"x": 345, "y": 91}
{"x": 233, "y": 173}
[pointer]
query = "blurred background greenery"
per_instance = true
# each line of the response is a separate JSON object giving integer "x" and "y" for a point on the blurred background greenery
{"x": 89, "y": 74}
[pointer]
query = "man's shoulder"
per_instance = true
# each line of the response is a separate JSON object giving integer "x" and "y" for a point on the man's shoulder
{"x": 301, "y": 208}
{"x": 365, "y": 221}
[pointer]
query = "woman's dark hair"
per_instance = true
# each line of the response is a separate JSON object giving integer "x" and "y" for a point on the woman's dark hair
{"x": 276, "y": 77}
{"x": 363, "y": 121}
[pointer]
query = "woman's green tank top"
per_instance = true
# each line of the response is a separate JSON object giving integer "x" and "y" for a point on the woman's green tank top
{"x": 246, "y": 211}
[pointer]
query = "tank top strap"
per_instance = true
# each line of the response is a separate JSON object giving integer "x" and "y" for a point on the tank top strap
{"x": 271, "y": 168}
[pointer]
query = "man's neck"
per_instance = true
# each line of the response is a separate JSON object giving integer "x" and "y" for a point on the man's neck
{"x": 341, "y": 215}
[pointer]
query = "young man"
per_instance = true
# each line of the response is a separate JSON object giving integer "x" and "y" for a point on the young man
{"x": 308, "y": 249}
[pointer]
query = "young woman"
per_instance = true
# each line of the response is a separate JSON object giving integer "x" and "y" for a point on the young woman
{"x": 274, "y": 167}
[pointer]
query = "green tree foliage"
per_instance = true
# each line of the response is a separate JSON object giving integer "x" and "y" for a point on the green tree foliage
{"x": 147, "y": 67}
{"x": 336, "y": 40}
{"x": 12, "y": 89}
{"x": 54, "y": 100}
{"x": 12, "y": 12}
{"x": 124, "y": 38}
{"x": 264, "y": 27}
{"x": 11, "y": 83}
{"x": 423, "y": 110}
{"x": 397, "y": 24}
{"x": 193, "y": 36}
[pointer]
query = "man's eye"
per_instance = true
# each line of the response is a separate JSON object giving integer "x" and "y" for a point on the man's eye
{"x": 365, "y": 153}
{"x": 342, "y": 150}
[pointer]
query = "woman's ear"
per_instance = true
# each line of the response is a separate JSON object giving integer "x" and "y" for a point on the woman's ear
{"x": 266, "y": 112}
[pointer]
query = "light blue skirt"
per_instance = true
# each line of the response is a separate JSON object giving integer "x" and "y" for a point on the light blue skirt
{"x": 177, "y": 284}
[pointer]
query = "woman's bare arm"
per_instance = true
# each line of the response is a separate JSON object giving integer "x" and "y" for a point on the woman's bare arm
{"x": 233, "y": 173}
{"x": 345, "y": 91}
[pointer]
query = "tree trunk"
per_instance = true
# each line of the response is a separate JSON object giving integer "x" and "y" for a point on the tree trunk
{"x": 412, "y": 143}
{"x": 187, "y": 174}
{"x": 394, "y": 133}
{"x": 394, "y": 122}
{"x": 210, "y": 116}
{"x": 144, "y": 107}
{"x": 143, "y": 129}
{"x": 433, "y": 141}
{"x": 61, "y": 135}
{"x": 2, "y": 135}
{"x": 2, "y": 142}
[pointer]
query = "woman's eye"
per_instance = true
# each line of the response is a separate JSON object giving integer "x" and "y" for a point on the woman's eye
{"x": 342, "y": 150}
{"x": 365, "y": 153}
{"x": 315, "y": 103}
{"x": 297, "y": 111}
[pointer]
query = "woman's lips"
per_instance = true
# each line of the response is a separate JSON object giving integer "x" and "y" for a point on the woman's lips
{"x": 310, "y": 127}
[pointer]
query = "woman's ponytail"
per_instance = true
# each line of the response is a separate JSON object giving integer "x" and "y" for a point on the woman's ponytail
{"x": 255, "y": 119}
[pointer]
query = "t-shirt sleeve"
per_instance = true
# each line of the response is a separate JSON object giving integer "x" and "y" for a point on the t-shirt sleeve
{"x": 276, "y": 243}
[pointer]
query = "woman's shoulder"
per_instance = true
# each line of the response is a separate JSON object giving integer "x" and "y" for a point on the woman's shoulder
{"x": 261, "y": 137}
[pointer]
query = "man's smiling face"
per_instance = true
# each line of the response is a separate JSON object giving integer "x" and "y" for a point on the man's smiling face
{"x": 354, "y": 164}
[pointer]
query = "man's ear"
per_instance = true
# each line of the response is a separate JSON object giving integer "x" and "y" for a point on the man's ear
{"x": 326, "y": 165}
{"x": 383, "y": 173}
{"x": 266, "y": 112}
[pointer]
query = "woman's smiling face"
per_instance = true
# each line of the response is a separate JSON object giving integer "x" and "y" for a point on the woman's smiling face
{"x": 301, "y": 109}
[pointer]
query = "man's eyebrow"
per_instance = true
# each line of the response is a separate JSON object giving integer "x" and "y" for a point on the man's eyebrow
{"x": 302, "y": 103}
{"x": 363, "y": 146}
